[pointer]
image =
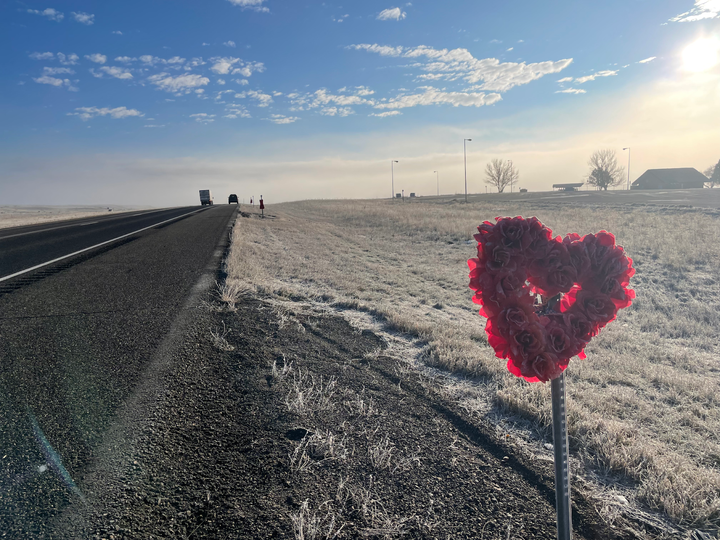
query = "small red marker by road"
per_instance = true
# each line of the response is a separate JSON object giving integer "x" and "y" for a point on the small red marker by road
{"x": 262, "y": 207}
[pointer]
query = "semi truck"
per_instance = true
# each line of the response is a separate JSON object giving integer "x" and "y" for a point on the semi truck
{"x": 205, "y": 197}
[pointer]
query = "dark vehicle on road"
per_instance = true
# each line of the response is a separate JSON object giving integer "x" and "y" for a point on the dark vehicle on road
{"x": 232, "y": 199}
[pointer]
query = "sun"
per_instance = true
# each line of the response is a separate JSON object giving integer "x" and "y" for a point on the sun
{"x": 701, "y": 55}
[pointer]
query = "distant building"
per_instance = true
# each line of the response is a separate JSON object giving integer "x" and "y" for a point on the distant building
{"x": 682, "y": 178}
{"x": 568, "y": 187}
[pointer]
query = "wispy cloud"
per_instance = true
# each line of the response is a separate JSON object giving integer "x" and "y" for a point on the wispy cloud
{"x": 704, "y": 9}
{"x": 117, "y": 72}
{"x": 255, "y": 5}
{"x": 53, "y": 81}
{"x": 236, "y": 111}
{"x": 125, "y": 59}
{"x": 203, "y": 118}
{"x": 42, "y": 56}
{"x": 68, "y": 59}
{"x": 235, "y": 66}
{"x": 84, "y": 18}
{"x": 647, "y": 60}
{"x": 336, "y": 111}
{"x": 150, "y": 60}
{"x": 392, "y": 14}
{"x": 57, "y": 71}
{"x": 50, "y": 13}
{"x": 117, "y": 32}
{"x": 182, "y": 84}
{"x": 571, "y": 91}
{"x": 86, "y": 113}
{"x": 230, "y": 44}
{"x": 282, "y": 119}
{"x": 460, "y": 63}
{"x": 587, "y": 78}
{"x": 263, "y": 99}
{"x": 386, "y": 113}
{"x": 97, "y": 58}
{"x": 341, "y": 18}
{"x": 433, "y": 96}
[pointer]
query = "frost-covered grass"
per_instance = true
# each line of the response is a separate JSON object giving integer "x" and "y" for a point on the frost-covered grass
{"x": 644, "y": 405}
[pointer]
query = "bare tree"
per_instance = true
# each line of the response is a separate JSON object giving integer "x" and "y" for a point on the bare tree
{"x": 604, "y": 170}
{"x": 501, "y": 174}
{"x": 713, "y": 174}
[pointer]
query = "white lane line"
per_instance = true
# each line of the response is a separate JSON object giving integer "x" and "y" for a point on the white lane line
{"x": 95, "y": 246}
{"x": 77, "y": 224}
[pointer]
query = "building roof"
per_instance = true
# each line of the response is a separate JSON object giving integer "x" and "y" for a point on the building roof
{"x": 665, "y": 177}
{"x": 575, "y": 185}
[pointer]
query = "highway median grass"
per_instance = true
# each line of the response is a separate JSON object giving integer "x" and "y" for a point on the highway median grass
{"x": 643, "y": 408}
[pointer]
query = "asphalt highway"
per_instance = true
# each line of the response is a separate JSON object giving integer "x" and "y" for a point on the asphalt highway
{"x": 76, "y": 340}
{"x": 26, "y": 247}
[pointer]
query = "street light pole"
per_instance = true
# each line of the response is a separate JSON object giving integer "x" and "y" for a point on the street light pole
{"x": 392, "y": 176}
{"x": 628, "y": 182}
{"x": 437, "y": 176}
{"x": 465, "y": 161}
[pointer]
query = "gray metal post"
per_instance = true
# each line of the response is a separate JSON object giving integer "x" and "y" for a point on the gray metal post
{"x": 562, "y": 469}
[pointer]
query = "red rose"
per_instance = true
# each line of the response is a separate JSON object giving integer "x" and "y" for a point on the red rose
{"x": 515, "y": 317}
{"x": 598, "y": 308}
{"x": 529, "y": 342}
{"x": 514, "y": 232}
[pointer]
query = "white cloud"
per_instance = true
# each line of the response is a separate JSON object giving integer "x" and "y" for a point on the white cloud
{"x": 48, "y": 80}
{"x": 50, "y": 13}
{"x": 391, "y": 14}
{"x": 236, "y": 111}
{"x": 571, "y": 91}
{"x": 68, "y": 60}
{"x": 433, "y": 96}
{"x": 235, "y": 66}
{"x": 181, "y": 84}
{"x": 53, "y": 81}
{"x": 242, "y": 82}
{"x": 647, "y": 60}
{"x": 263, "y": 99}
{"x": 205, "y": 44}
{"x": 57, "y": 71}
{"x": 42, "y": 56}
{"x": 154, "y": 125}
{"x": 117, "y": 32}
{"x": 255, "y": 5}
{"x": 510, "y": 49}
{"x": 496, "y": 76}
{"x": 97, "y": 58}
{"x": 84, "y": 18}
{"x": 86, "y": 113}
{"x": 117, "y": 72}
{"x": 704, "y": 9}
{"x": 364, "y": 91}
{"x": 230, "y": 44}
{"x": 221, "y": 81}
{"x": 386, "y": 113}
{"x": 203, "y": 118}
{"x": 565, "y": 79}
{"x": 281, "y": 119}
{"x": 586, "y": 78}
{"x": 125, "y": 59}
{"x": 336, "y": 111}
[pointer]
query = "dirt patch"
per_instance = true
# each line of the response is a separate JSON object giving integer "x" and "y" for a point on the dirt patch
{"x": 286, "y": 424}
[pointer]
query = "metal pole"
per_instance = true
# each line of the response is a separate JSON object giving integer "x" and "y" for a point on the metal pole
{"x": 465, "y": 162}
{"x": 437, "y": 176}
{"x": 628, "y": 181}
{"x": 562, "y": 475}
{"x": 392, "y": 173}
{"x": 511, "y": 176}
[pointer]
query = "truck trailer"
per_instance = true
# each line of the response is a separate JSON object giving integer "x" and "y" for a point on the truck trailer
{"x": 206, "y": 197}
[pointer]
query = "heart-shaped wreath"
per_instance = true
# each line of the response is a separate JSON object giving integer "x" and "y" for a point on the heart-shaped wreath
{"x": 545, "y": 298}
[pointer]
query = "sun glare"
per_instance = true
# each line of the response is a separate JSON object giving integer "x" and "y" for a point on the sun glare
{"x": 701, "y": 55}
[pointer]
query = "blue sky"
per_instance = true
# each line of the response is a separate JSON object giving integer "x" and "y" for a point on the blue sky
{"x": 147, "y": 102}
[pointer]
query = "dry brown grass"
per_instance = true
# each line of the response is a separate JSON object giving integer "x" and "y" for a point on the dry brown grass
{"x": 643, "y": 406}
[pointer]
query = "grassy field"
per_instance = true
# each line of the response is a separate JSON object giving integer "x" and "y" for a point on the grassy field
{"x": 17, "y": 216}
{"x": 643, "y": 408}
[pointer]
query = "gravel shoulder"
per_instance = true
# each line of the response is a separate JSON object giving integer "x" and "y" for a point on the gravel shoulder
{"x": 297, "y": 425}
